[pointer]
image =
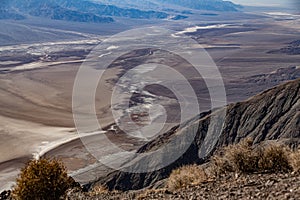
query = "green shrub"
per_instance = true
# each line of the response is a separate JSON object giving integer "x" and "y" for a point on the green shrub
{"x": 42, "y": 179}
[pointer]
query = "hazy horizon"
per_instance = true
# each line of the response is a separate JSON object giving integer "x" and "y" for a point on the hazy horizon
{"x": 270, "y": 3}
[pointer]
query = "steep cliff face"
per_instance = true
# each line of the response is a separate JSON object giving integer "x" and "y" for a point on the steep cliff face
{"x": 271, "y": 115}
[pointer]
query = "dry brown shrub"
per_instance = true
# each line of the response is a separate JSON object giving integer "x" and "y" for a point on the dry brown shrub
{"x": 294, "y": 160}
{"x": 185, "y": 176}
{"x": 246, "y": 158}
{"x": 240, "y": 157}
{"x": 243, "y": 157}
{"x": 42, "y": 179}
{"x": 219, "y": 165}
{"x": 275, "y": 158}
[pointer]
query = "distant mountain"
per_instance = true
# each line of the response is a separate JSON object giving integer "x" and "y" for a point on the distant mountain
{"x": 73, "y": 10}
{"x": 104, "y": 11}
{"x": 6, "y": 14}
{"x": 51, "y": 9}
{"x": 212, "y": 5}
{"x": 271, "y": 115}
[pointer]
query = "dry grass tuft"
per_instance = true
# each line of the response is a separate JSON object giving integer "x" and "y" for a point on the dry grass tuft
{"x": 294, "y": 160}
{"x": 245, "y": 158}
{"x": 185, "y": 176}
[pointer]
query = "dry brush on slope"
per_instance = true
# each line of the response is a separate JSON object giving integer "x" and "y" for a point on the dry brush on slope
{"x": 271, "y": 115}
{"x": 239, "y": 178}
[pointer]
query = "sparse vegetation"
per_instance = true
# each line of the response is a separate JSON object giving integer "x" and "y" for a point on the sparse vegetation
{"x": 186, "y": 175}
{"x": 275, "y": 158}
{"x": 145, "y": 194}
{"x": 98, "y": 189}
{"x": 44, "y": 179}
{"x": 246, "y": 158}
{"x": 248, "y": 161}
{"x": 47, "y": 179}
{"x": 294, "y": 160}
{"x": 241, "y": 157}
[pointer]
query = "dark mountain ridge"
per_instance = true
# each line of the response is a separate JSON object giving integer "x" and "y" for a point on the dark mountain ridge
{"x": 271, "y": 115}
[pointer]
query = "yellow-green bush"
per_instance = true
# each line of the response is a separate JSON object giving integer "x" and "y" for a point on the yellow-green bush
{"x": 44, "y": 179}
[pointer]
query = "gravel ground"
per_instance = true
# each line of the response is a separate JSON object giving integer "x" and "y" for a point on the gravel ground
{"x": 254, "y": 186}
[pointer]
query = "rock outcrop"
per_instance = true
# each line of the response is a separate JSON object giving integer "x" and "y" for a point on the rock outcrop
{"x": 5, "y": 194}
{"x": 293, "y": 48}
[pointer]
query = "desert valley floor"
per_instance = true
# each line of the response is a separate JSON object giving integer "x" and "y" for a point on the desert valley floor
{"x": 253, "y": 53}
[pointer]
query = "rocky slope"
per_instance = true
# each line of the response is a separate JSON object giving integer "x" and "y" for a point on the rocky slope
{"x": 253, "y": 186}
{"x": 271, "y": 115}
{"x": 293, "y": 48}
{"x": 276, "y": 77}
